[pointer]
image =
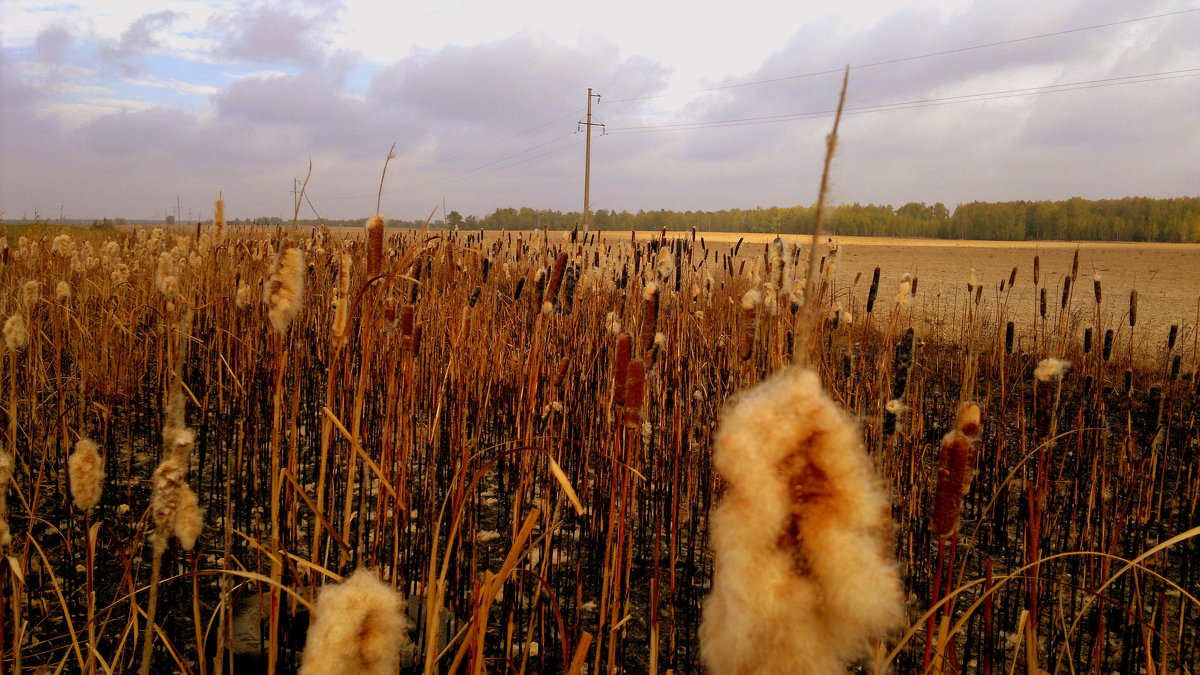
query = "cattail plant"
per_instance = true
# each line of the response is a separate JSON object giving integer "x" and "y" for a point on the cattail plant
{"x": 956, "y": 467}
{"x": 358, "y": 626}
{"x": 174, "y": 509}
{"x": 803, "y": 578}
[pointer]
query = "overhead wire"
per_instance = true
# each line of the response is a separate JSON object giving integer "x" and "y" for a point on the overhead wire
{"x": 916, "y": 103}
{"x": 903, "y": 59}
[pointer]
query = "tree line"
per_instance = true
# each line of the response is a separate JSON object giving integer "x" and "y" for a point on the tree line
{"x": 1126, "y": 219}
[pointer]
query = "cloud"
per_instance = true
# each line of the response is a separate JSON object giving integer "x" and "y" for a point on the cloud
{"x": 127, "y": 52}
{"x": 51, "y": 44}
{"x": 513, "y": 81}
{"x": 274, "y": 34}
{"x": 494, "y": 124}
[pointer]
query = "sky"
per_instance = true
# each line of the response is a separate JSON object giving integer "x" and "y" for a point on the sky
{"x": 138, "y": 108}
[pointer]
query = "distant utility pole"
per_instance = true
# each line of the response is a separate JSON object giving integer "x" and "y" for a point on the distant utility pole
{"x": 587, "y": 160}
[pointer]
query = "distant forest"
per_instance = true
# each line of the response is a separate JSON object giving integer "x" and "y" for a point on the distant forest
{"x": 1128, "y": 219}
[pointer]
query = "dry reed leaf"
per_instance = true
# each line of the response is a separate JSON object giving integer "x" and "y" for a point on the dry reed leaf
{"x": 561, "y": 477}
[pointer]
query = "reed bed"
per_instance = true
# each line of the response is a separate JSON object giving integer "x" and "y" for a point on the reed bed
{"x": 513, "y": 434}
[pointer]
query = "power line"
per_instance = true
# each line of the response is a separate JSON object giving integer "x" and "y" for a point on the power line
{"x": 917, "y": 103}
{"x": 466, "y": 153}
{"x": 903, "y": 59}
{"x": 474, "y": 171}
{"x": 459, "y": 177}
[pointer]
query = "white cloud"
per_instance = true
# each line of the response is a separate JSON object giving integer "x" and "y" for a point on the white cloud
{"x": 173, "y": 85}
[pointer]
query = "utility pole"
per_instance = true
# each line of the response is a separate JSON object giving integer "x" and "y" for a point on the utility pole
{"x": 587, "y": 160}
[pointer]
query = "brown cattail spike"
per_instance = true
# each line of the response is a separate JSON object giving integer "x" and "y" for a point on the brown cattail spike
{"x": 374, "y": 245}
{"x": 621, "y": 367}
{"x": 556, "y": 277}
{"x": 955, "y": 469}
{"x": 635, "y": 393}
{"x": 1133, "y": 308}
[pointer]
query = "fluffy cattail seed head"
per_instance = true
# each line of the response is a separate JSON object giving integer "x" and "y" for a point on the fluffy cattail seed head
{"x": 85, "y": 469}
{"x": 16, "y": 336}
{"x": 968, "y": 419}
{"x": 1050, "y": 369}
{"x": 189, "y": 520}
{"x": 802, "y": 577}
{"x": 31, "y": 293}
{"x": 358, "y": 626}
{"x": 62, "y": 292}
{"x": 168, "y": 486}
{"x": 285, "y": 289}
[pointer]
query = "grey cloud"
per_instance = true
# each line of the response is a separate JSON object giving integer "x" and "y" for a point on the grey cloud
{"x": 126, "y": 53}
{"x": 274, "y": 34}
{"x": 51, "y": 44}
{"x": 522, "y": 79}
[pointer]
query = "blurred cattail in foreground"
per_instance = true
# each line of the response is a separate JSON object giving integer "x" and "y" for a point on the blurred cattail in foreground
{"x": 803, "y": 578}
{"x": 359, "y": 627}
{"x": 85, "y": 468}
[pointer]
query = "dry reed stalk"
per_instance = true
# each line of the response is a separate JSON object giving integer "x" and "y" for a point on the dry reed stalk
{"x": 803, "y": 578}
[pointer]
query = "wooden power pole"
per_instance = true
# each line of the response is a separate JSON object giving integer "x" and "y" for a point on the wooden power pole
{"x": 587, "y": 160}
